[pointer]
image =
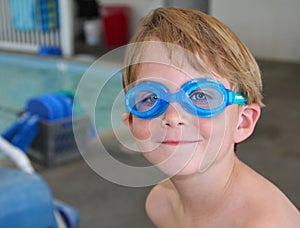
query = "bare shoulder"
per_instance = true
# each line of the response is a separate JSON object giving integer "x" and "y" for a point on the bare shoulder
{"x": 159, "y": 203}
{"x": 274, "y": 221}
{"x": 276, "y": 214}
{"x": 267, "y": 206}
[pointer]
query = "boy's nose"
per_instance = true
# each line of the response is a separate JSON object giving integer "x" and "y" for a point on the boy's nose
{"x": 173, "y": 117}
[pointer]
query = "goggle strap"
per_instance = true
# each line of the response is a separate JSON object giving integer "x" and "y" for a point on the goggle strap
{"x": 239, "y": 99}
{"x": 236, "y": 98}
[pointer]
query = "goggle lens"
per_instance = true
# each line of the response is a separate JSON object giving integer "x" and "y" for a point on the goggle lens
{"x": 206, "y": 98}
{"x": 144, "y": 100}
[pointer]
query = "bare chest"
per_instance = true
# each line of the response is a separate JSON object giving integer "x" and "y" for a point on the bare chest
{"x": 178, "y": 218}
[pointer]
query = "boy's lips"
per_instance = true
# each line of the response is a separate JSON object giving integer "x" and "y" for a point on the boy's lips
{"x": 178, "y": 142}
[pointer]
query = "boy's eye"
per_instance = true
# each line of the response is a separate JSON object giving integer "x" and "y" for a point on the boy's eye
{"x": 145, "y": 101}
{"x": 196, "y": 96}
{"x": 149, "y": 100}
{"x": 199, "y": 97}
{"x": 206, "y": 97}
{"x": 203, "y": 98}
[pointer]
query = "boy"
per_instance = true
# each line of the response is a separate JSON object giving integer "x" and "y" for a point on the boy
{"x": 193, "y": 91}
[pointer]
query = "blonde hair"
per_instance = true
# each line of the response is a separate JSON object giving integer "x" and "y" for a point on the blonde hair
{"x": 219, "y": 49}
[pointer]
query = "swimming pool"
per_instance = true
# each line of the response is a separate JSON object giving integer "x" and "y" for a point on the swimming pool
{"x": 23, "y": 77}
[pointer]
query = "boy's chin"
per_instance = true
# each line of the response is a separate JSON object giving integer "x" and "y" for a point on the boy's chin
{"x": 174, "y": 167}
{"x": 188, "y": 170}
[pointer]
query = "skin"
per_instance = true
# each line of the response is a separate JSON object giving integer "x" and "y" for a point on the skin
{"x": 209, "y": 185}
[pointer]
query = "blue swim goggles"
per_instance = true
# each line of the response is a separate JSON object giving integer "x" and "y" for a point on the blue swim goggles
{"x": 202, "y": 97}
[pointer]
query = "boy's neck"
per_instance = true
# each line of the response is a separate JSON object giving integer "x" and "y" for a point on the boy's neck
{"x": 204, "y": 193}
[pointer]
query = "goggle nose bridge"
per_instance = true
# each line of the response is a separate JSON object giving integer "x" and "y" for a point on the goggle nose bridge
{"x": 174, "y": 97}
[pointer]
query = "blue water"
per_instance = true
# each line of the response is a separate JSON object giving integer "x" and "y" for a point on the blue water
{"x": 23, "y": 77}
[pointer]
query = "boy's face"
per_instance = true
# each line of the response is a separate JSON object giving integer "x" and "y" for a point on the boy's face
{"x": 177, "y": 141}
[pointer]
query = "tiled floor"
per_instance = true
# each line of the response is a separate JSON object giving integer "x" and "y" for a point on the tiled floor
{"x": 273, "y": 151}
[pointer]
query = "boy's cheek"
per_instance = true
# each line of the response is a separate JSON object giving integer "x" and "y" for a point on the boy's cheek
{"x": 141, "y": 129}
{"x": 138, "y": 127}
{"x": 213, "y": 130}
{"x": 147, "y": 130}
{"x": 204, "y": 127}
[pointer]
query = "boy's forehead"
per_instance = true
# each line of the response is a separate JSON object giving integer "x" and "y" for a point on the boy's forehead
{"x": 154, "y": 56}
{"x": 172, "y": 75}
{"x": 165, "y": 53}
{"x": 163, "y": 70}
{"x": 155, "y": 51}
{"x": 156, "y": 61}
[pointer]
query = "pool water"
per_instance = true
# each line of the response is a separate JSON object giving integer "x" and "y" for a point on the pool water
{"x": 23, "y": 77}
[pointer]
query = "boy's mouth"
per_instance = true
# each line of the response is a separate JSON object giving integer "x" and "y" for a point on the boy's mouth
{"x": 176, "y": 143}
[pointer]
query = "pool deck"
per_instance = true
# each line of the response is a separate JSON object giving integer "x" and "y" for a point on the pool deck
{"x": 273, "y": 151}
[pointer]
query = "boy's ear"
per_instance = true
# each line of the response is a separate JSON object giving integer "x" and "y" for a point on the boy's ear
{"x": 247, "y": 120}
{"x": 127, "y": 119}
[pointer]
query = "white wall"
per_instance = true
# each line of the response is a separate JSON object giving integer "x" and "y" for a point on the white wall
{"x": 270, "y": 28}
{"x": 194, "y": 4}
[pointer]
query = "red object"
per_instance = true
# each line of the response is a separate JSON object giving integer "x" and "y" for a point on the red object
{"x": 115, "y": 20}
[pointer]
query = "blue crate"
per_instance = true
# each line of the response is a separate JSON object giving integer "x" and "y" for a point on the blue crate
{"x": 55, "y": 142}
